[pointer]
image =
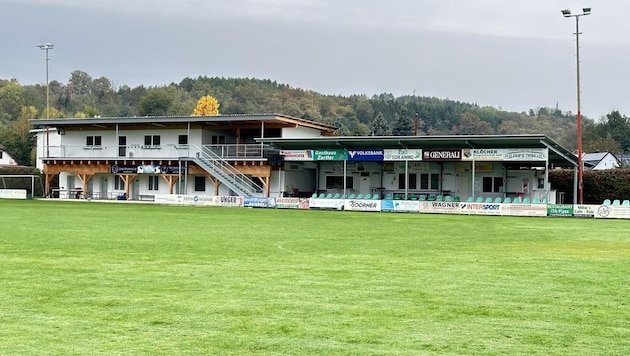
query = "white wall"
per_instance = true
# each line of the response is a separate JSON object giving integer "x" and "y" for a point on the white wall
{"x": 298, "y": 132}
{"x": 6, "y": 159}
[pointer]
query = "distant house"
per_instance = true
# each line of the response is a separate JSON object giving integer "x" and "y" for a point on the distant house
{"x": 5, "y": 157}
{"x": 601, "y": 160}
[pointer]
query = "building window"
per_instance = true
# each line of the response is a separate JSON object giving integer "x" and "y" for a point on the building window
{"x": 200, "y": 184}
{"x": 182, "y": 139}
{"x": 413, "y": 184}
{"x": 152, "y": 140}
{"x": 93, "y": 141}
{"x": 218, "y": 140}
{"x": 493, "y": 184}
{"x": 429, "y": 181}
{"x": 153, "y": 182}
{"x": 336, "y": 182}
{"x": 118, "y": 183}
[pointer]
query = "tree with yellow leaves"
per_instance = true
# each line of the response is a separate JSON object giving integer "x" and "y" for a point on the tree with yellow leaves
{"x": 207, "y": 106}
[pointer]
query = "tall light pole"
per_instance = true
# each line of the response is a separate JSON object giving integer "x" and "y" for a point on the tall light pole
{"x": 567, "y": 13}
{"x": 46, "y": 47}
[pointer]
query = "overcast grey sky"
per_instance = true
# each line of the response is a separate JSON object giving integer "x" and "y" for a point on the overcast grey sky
{"x": 514, "y": 55}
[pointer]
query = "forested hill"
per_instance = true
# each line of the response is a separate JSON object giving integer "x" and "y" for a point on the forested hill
{"x": 84, "y": 96}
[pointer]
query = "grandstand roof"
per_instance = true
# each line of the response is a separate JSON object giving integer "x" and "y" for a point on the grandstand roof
{"x": 558, "y": 155}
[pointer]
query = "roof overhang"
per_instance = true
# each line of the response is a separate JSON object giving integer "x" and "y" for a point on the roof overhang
{"x": 219, "y": 121}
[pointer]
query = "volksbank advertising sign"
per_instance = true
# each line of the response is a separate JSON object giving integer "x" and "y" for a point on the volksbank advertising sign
{"x": 365, "y": 155}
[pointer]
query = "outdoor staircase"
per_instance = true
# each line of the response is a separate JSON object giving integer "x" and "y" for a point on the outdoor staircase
{"x": 226, "y": 173}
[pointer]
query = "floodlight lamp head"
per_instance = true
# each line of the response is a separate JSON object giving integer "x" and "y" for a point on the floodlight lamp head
{"x": 566, "y": 12}
{"x": 586, "y": 10}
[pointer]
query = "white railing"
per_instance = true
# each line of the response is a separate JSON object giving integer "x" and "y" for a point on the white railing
{"x": 168, "y": 151}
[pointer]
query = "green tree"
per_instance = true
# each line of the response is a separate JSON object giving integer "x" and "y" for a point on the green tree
{"x": 156, "y": 102}
{"x": 378, "y": 126}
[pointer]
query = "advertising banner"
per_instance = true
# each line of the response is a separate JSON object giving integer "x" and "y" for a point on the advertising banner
{"x": 585, "y": 211}
{"x": 560, "y": 210}
{"x": 329, "y": 155}
{"x": 201, "y": 200}
{"x": 524, "y": 209}
{"x": 259, "y": 202}
{"x": 297, "y": 155}
{"x": 146, "y": 169}
{"x": 480, "y": 208}
{"x": 362, "y": 205}
{"x": 402, "y": 155}
{"x": 612, "y": 212}
{"x": 387, "y": 205}
{"x": 292, "y": 203}
{"x": 443, "y": 207}
{"x": 505, "y": 154}
{"x": 173, "y": 199}
{"x": 365, "y": 155}
{"x": 406, "y": 206}
{"x": 12, "y": 193}
{"x": 442, "y": 155}
{"x": 318, "y": 203}
{"x": 228, "y": 201}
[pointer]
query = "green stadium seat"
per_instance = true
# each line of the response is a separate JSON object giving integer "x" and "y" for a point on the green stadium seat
{"x": 422, "y": 197}
{"x": 507, "y": 200}
{"x": 448, "y": 198}
{"x": 625, "y": 203}
{"x": 526, "y": 200}
{"x": 396, "y": 196}
{"x": 456, "y": 198}
{"x": 535, "y": 201}
{"x": 489, "y": 200}
{"x": 607, "y": 202}
{"x": 497, "y": 199}
{"x": 329, "y": 196}
{"x": 516, "y": 200}
{"x": 389, "y": 196}
{"x": 544, "y": 200}
{"x": 336, "y": 196}
{"x": 375, "y": 196}
{"x": 352, "y": 196}
{"x": 359, "y": 196}
{"x": 439, "y": 198}
{"x": 322, "y": 195}
{"x": 431, "y": 197}
{"x": 314, "y": 195}
{"x": 470, "y": 199}
{"x": 616, "y": 202}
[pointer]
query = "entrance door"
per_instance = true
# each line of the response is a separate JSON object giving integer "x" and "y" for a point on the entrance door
{"x": 135, "y": 189}
{"x": 122, "y": 146}
{"x": 364, "y": 185}
{"x": 70, "y": 186}
{"x": 103, "y": 194}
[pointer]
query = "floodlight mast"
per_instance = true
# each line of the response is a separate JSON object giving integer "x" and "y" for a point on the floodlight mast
{"x": 580, "y": 162}
{"x": 46, "y": 47}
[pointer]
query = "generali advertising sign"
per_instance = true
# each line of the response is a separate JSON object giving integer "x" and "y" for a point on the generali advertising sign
{"x": 442, "y": 155}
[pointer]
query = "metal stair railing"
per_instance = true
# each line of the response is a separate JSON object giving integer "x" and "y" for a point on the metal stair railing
{"x": 226, "y": 173}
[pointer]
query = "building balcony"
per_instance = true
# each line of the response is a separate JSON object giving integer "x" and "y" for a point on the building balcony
{"x": 243, "y": 152}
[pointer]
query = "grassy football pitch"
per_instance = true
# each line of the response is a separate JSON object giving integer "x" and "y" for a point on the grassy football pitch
{"x": 120, "y": 278}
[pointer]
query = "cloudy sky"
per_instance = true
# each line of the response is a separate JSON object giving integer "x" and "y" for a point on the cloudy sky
{"x": 514, "y": 55}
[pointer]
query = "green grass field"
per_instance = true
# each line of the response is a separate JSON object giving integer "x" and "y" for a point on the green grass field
{"x": 116, "y": 278}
